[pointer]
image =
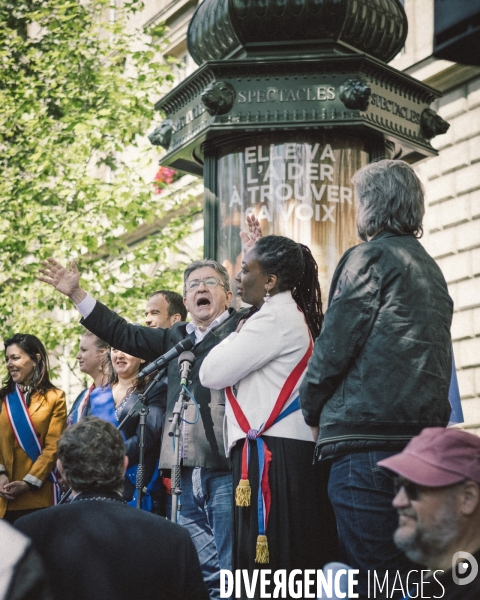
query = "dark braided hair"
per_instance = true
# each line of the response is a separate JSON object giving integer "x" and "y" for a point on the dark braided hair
{"x": 296, "y": 270}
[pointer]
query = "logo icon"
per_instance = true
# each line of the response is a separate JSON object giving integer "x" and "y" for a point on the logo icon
{"x": 464, "y": 568}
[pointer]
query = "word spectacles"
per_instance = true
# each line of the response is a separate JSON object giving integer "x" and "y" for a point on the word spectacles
{"x": 411, "y": 489}
{"x": 210, "y": 282}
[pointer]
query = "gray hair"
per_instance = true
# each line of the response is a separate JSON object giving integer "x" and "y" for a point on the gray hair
{"x": 91, "y": 453}
{"x": 390, "y": 197}
{"x": 213, "y": 264}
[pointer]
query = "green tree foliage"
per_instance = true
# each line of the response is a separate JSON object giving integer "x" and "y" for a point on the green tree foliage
{"x": 76, "y": 96}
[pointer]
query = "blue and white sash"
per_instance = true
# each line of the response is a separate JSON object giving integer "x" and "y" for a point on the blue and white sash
{"x": 79, "y": 406}
{"x": 25, "y": 434}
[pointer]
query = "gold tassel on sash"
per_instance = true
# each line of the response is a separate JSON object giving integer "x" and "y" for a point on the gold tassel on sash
{"x": 243, "y": 493}
{"x": 262, "y": 555}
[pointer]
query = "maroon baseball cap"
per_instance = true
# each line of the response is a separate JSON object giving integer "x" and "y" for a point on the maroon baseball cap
{"x": 438, "y": 457}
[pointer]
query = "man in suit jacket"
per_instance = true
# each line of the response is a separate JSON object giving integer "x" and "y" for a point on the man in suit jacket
{"x": 206, "y": 480}
{"x": 22, "y": 575}
{"x": 98, "y": 547}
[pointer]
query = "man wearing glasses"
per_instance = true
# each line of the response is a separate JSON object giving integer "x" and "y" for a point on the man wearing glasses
{"x": 206, "y": 479}
{"x": 438, "y": 504}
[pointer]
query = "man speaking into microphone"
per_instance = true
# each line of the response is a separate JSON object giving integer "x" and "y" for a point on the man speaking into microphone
{"x": 205, "y": 479}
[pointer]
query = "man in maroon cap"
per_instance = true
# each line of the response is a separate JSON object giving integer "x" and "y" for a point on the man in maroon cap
{"x": 438, "y": 503}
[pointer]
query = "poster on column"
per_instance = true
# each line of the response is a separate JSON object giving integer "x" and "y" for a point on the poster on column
{"x": 299, "y": 189}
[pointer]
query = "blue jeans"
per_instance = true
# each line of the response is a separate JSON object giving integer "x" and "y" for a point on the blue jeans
{"x": 361, "y": 494}
{"x": 207, "y": 513}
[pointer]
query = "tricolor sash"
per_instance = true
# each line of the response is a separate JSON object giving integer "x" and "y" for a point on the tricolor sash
{"x": 279, "y": 412}
{"x": 76, "y": 413}
{"x": 25, "y": 434}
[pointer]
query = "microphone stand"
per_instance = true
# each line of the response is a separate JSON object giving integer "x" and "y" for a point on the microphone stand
{"x": 139, "y": 408}
{"x": 186, "y": 361}
{"x": 174, "y": 431}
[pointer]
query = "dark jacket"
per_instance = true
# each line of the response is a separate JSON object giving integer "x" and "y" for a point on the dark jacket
{"x": 22, "y": 574}
{"x": 381, "y": 367}
{"x": 98, "y": 548}
{"x": 202, "y": 441}
{"x": 156, "y": 400}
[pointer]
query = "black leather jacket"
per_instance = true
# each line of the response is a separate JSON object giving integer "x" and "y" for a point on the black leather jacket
{"x": 381, "y": 367}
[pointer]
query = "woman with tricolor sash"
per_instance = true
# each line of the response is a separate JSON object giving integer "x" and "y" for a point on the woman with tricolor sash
{"x": 32, "y": 417}
{"x": 260, "y": 366}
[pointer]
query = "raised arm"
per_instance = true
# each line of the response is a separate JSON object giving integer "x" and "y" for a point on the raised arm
{"x": 67, "y": 282}
{"x": 250, "y": 238}
{"x": 143, "y": 342}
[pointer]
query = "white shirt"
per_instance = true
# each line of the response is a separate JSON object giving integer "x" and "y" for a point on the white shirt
{"x": 257, "y": 361}
{"x": 201, "y": 333}
{"x": 86, "y": 306}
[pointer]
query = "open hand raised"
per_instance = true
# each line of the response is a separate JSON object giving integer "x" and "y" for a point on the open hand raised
{"x": 64, "y": 280}
{"x": 254, "y": 233}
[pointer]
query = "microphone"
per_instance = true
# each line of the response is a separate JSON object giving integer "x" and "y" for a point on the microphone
{"x": 185, "y": 344}
{"x": 186, "y": 360}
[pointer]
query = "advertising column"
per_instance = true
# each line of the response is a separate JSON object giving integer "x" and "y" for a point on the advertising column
{"x": 299, "y": 187}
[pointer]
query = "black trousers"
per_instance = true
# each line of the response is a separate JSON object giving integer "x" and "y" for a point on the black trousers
{"x": 301, "y": 529}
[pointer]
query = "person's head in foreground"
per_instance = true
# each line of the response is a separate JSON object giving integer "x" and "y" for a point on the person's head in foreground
{"x": 390, "y": 197}
{"x": 438, "y": 498}
{"x": 91, "y": 457}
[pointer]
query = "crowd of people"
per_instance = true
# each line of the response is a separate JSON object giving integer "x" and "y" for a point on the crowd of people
{"x": 302, "y": 437}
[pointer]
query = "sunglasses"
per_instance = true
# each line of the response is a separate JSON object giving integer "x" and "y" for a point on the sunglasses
{"x": 411, "y": 489}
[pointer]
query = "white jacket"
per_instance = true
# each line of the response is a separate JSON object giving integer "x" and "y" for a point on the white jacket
{"x": 256, "y": 362}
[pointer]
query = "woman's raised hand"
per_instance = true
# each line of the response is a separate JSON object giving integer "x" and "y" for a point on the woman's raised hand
{"x": 65, "y": 281}
{"x": 254, "y": 233}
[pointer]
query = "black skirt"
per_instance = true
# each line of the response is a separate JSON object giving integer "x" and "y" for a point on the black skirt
{"x": 301, "y": 530}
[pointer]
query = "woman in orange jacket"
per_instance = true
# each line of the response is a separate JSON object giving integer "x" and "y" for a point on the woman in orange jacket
{"x": 32, "y": 417}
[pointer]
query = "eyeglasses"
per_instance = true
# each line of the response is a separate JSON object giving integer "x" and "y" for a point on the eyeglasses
{"x": 411, "y": 489}
{"x": 210, "y": 282}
